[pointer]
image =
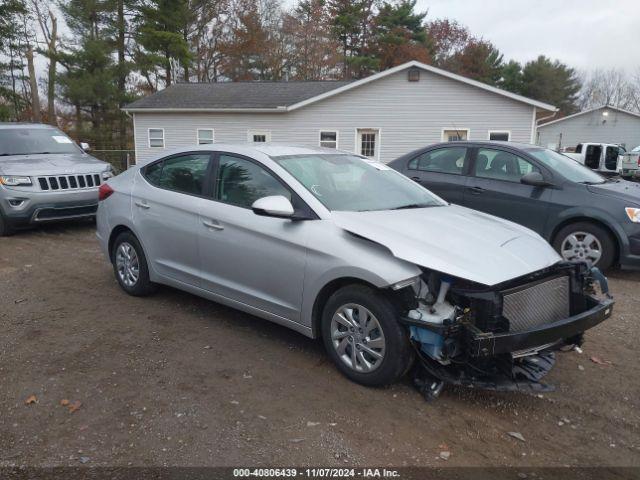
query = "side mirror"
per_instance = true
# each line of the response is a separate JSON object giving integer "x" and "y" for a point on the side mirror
{"x": 273, "y": 206}
{"x": 535, "y": 179}
{"x": 85, "y": 146}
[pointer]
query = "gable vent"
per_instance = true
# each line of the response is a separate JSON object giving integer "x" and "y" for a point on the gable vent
{"x": 413, "y": 75}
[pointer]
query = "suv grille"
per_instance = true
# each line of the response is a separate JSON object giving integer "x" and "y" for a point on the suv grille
{"x": 541, "y": 303}
{"x": 69, "y": 182}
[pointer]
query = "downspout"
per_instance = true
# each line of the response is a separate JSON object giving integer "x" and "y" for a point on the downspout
{"x": 537, "y": 123}
{"x": 133, "y": 131}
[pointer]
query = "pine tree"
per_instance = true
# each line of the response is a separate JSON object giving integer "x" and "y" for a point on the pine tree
{"x": 551, "y": 82}
{"x": 160, "y": 35}
{"x": 399, "y": 35}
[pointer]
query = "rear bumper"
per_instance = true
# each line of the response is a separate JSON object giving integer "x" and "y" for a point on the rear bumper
{"x": 482, "y": 344}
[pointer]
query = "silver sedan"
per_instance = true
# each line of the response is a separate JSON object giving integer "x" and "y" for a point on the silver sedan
{"x": 341, "y": 247}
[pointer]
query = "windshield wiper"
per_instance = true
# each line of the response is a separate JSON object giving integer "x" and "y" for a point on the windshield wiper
{"x": 412, "y": 205}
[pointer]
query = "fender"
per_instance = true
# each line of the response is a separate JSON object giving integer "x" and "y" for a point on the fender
{"x": 582, "y": 212}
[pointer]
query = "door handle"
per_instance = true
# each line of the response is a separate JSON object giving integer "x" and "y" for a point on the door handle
{"x": 142, "y": 205}
{"x": 212, "y": 225}
{"x": 415, "y": 179}
{"x": 476, "y": 190}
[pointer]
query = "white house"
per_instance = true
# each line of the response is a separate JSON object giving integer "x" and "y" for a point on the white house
{"x": 604, "y": 124}
{"x": 382, "y": 116}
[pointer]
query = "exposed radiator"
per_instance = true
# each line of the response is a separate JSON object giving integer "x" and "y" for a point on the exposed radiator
{"x": 531, "y": 306}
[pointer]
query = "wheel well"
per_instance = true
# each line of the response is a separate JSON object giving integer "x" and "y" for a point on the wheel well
{"x": 114, "y": 234}
{"x": 324, "y": 294}
{"x": 589, "y": 220}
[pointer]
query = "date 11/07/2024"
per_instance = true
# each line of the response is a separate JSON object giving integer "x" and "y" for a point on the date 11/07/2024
{"x": 316, "y": 472}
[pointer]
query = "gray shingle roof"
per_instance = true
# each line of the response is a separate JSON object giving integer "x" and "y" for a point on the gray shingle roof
{"x": 234, "y": 95}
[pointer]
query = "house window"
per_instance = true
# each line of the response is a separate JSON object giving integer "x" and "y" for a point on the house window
{"x": 329, "y": 139}
{"x": 156, "y": 138}
{"x": 455, "y": 134}
{"x": 368, "y": 142}
{"x": 499, "y": 135}
{"x": 205, "y": 136}
{"x": 258, "y": 136}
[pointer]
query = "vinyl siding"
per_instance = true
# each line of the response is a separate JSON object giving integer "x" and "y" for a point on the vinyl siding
{"x": 620, "y": 128}
{"x": 409, "y": 115}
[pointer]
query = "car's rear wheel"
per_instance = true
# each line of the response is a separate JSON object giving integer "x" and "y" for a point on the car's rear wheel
{"x": 130, "y": 266}
{"x": 363, "y": 337}
{"x": 588, "y": 242}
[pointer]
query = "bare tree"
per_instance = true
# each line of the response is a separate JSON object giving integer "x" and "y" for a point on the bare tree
{"x": 608, "y": 87}
{"x": 33, "y": 80}
{"x": 48, "y": 24}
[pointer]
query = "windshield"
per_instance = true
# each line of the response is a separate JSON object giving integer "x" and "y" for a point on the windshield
{"x": 350, "y": 183}
{"x": 25, "y": 141}
{"x": 569, "y": 168}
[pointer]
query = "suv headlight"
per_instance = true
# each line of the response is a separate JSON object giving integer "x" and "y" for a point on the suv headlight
{"x": 633, "y": 214}
{"x": 13, "y": 181}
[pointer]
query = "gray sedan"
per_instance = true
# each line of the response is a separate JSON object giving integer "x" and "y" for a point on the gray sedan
{"x": 340, "y": 247}
{"x": 585, "y": 216}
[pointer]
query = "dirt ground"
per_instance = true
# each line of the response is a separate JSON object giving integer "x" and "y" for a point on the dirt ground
{"x": 177, "y": 380}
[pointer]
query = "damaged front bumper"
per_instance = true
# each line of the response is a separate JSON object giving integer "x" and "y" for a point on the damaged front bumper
{"x": 505, "y": 337}
{"x": 483, "y": 344}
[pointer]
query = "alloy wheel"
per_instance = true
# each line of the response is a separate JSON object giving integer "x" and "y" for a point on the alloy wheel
{"x": 357, "y": 337}
{"x": 127, "y": 264}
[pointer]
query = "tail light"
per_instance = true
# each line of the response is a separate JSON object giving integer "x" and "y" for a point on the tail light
{"x": 104, "y": 192}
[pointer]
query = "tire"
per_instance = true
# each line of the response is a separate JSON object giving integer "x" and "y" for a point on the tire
{"x": 581, "y": 231}
{"x": 363, "y": 301}
{"x": 137, "y": 285}
{"x": 5, "y": 229}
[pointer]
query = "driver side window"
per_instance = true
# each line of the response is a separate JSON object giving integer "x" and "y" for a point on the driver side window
{"x": 241, "y": 182}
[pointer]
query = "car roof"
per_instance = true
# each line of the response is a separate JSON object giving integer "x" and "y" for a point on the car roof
{"x": 10, "y": 125}
{"x": 494, "y": 143}
{"x": 467, "y": 143}
{"x": 267, "y": 148}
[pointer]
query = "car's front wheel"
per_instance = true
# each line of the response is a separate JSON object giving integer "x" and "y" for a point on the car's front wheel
{"x": 363, "y": 337}
{"x": 130, "y": 266}
{"x": 4, "y": 227}
{"x": 587, "y": 242}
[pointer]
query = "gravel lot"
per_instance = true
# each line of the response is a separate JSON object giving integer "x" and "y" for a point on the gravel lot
{"x": 177, "y": 380}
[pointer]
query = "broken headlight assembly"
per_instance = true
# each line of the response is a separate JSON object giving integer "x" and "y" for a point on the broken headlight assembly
{"x": 502, "y": 337}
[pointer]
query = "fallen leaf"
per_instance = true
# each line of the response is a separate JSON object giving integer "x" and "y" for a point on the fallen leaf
{"x": 599, "y": 361}
{"x": 31, "y": 399}
{"x": 64, "y": 402}
{"x": 517, "y": 435}
{"x": 75, "y": 406}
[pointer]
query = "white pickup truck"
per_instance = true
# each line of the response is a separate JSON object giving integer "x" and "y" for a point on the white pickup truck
{"x": 607, "y": 158}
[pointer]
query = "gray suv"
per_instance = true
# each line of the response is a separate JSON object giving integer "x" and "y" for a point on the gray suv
{"x": 45, "y": 176}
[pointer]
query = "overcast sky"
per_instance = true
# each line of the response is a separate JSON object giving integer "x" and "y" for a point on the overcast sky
{"x": 582, "y": 33}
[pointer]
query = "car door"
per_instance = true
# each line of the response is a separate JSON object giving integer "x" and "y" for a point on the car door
{"x": 166, "y": 199}
{"x": 252, "y": 259}
{"x": 441, "y": 170}
{"x": 494, "y": 187}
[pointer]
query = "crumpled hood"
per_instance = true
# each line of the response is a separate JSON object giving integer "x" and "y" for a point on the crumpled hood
{"x": 454, "y": 240}
{"x": 51, "y": 164}
{"x": 623, "y": 190}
